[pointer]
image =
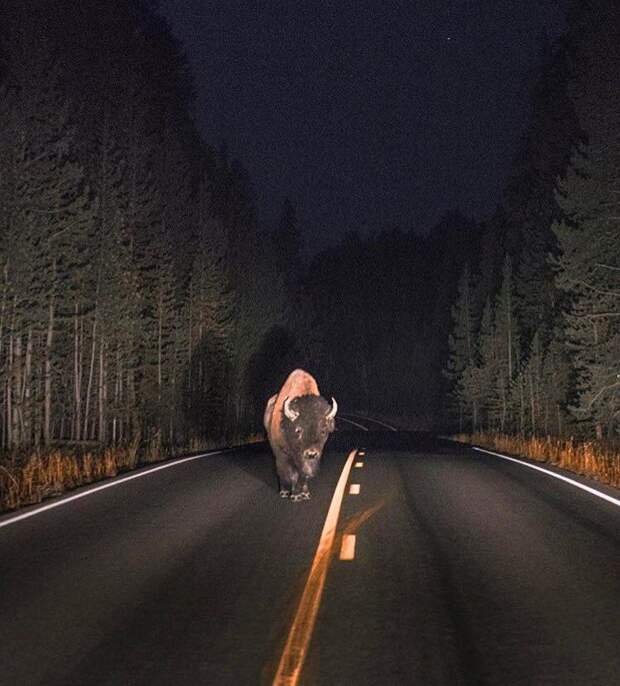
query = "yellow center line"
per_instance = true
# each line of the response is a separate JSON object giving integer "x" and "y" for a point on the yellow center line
{"x": 296, "y": 648}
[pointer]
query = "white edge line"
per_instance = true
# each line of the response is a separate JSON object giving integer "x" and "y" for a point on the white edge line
{"x": 101, "y": 487}
{"x": 583, "y": 487}
{"x": 375, "y": 421}
{"x": 343, "y": 419}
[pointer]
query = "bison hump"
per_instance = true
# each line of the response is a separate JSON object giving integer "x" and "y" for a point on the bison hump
{"x": 298, "y": 383}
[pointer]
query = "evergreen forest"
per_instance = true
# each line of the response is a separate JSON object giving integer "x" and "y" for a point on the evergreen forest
{"x": 143, "y": 302}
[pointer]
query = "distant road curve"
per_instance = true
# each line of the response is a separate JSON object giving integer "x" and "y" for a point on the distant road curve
{"x": 372, "y": 420}
{"x": 350, "y": 421}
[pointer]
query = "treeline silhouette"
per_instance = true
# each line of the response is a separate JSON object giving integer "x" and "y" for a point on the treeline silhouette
{"x": 135, "y": 287}
{"x": 141, "y": 303}
{"x": 534, "y": 349}
{"x": 509, "y": 326}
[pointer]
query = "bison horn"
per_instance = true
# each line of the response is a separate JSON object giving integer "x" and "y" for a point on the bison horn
{"x": 288, "y": 411}
{"x": 332, "y": 413}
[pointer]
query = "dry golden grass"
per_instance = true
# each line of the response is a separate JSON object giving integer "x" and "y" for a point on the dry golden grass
{"x": 28, "y": 479}
{"x": 596, "y": 459}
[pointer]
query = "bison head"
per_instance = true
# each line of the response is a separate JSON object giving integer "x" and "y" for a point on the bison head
{"x": 308, "y": 421}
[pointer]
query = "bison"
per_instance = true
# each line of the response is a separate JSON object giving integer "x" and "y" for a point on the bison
{"x": 298, "y": 421}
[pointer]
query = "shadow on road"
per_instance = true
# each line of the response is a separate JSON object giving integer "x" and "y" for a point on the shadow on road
{"x": 398, "y": 441}
{"x": 256, "y": 461}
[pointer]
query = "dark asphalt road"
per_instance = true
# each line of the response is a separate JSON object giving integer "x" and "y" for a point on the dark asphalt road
{"x": 468, "y": 570}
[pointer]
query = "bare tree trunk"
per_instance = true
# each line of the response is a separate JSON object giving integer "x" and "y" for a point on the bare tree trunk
{"x": 509, "y": 346}
{"x": 102, "y": 394}
{"x": 532, "y": 405}
{"x": 121, "y": 418}
{"x": 17, "y": 384}
{"x": 504, "y": 400}
{"x": 3, "y": 423}
{"x": 27, "y": 412}
{"x": 47, "y": 393}
{"x": 77, "y": 411}
{"x": 91, "y": 373}
{"x": 131, "y": 419}
{"x": 522, "y": 409}
{"x": 189, "y": 328}
{"x": 159, "y": 346}
{"x": 9, "y": 395}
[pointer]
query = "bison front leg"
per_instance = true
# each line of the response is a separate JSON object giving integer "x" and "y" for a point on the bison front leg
{"x": 305, "y": 491}
{"x": 297, "y": 486}
{"x": 285, "y": 487}
{"x": 288, "y": 477}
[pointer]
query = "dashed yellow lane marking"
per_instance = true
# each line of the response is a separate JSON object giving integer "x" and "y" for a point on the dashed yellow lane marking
{"x": 354, "y": 489}
{"x": 359, "y": 465}
{"x": 296, "y": 648}
{"x": 347, "y": 549}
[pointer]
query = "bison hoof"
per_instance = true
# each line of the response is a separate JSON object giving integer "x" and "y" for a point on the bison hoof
{"x": 284, "y": 494}
{"x": 296, "y": 497}
{"x": 306, "y": 495}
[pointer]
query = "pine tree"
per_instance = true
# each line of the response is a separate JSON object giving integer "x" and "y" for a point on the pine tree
{"x": 48, "y": 222}
{"x": 486, "y": 364}
{"x": 462, "y": 362}
{"x": 532, "y": 207}
{"x": 589, "y": 265}
{"x": 210, "y": 321}
{"x": 506, "y": 351}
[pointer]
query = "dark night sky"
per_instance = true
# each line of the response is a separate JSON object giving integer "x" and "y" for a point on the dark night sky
{"x": 366, "y": 114}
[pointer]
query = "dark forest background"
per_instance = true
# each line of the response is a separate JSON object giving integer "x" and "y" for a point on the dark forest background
{"x": 141, "y": 301}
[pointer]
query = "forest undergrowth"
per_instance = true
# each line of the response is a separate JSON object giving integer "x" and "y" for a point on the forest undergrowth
{"x": 598, "y": 460}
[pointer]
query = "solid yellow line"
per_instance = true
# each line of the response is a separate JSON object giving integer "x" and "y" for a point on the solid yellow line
{"x": 296, "y": 648}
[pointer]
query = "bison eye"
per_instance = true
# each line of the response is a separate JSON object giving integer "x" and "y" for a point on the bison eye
{"x": 298, "y": 431}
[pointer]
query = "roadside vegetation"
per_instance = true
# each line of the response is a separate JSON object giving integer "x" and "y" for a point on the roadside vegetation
{"x": 535, "y": 339}
{"x": 133, "y": 298}
{"x": 598, "y": 460}
{"x": 145, "y": 310}
{"x": 29, "y": 478}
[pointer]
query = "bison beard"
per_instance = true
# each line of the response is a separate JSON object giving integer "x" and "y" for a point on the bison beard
{"x": 298, "y": 421}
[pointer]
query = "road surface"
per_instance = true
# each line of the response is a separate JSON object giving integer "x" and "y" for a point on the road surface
{"x": 465, "y": 569}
